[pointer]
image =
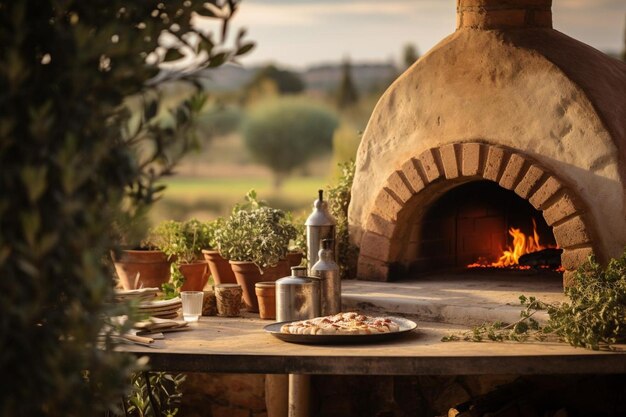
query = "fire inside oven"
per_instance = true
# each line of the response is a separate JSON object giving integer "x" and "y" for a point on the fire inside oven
{"x": 480, "y": 225}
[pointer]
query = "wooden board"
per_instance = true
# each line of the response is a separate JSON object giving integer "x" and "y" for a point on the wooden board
{"x": 239, "y": 345}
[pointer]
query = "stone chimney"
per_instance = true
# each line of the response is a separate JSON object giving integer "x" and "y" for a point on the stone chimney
{"x": 503, "y": 14}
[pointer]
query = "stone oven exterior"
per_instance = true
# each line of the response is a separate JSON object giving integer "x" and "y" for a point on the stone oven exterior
{"x": 506, "y": 99}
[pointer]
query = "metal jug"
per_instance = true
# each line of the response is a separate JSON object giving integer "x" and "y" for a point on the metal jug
{"x": 319, "y": 225}
{"x": 297, "y": 296}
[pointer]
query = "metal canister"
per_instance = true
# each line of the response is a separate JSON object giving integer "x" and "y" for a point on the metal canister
{"x": 330, "y": 282}
{"x": 319, "y": 225}
{"x": 297, "y": 296}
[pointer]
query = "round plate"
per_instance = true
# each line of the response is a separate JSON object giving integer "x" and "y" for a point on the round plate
{"x": 406, "y": 326}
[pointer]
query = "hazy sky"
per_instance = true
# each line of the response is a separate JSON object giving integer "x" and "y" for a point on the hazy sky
{"x": 298, "y": 33}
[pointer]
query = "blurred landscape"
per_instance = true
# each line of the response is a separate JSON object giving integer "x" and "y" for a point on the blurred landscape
{"x": 211, "y": 179}
{"x": 283, "y": 121}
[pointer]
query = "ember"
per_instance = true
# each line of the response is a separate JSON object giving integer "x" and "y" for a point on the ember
{"x": 522, "y": 245}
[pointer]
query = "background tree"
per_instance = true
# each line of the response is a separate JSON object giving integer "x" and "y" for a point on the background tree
{"x": 409, "y": 55}
{"x": 75, "y": 161}
{"x": 286, "y": 133}
{"x": 270, "y": 82}
{"x": 287, "y": 82}
{"x": 347, "y": 94}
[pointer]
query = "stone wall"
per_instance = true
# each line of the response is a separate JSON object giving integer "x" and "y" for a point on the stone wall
{"x": 218, "y": 395}
{"x": 223, "y": 395}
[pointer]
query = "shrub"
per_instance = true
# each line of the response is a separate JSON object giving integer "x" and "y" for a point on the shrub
{"x": 338, "y": 202}
{"x": 219, "y": 120}
{"x": 285, "y": 133}
{"x": 346, "y": 140}
{"x": 73, "y": 165}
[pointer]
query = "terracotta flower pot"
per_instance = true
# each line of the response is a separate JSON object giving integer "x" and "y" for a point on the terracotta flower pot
{"x": 152, "y": 266}
{"x": 280, "y": 270}
{"x": 220, "y": 268}
{"x": 248, "y": 274}
{"x": 294, "y": 258}
{"x": 266, "y": 296}
{"x": 195, "y": 275}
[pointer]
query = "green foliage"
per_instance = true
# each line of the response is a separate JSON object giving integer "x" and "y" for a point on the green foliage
{"x": 346, "y": 140}
{"x": 287, "y": 82}
{"x": 182, "y": 241}
{"x": 299, "y": 242}
{"x": 285, "y": 133}
{"x": 219, "y": 120}
{"x": 75, "y": 163}
{"x": 208, "y": 238}
{"x": 338, "y": 202}
{"x": 172, "y": 288}
{"x": 255, "y": 233}
{"x": 596, "y": 310}
{"x": 409, "y": 55}
{"x": 347, "y": 94}
{"x": 165, "y": 391}
{"x": 593, "y": 318}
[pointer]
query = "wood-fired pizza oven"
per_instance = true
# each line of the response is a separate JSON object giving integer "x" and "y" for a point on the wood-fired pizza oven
{"x": 505, "y": 123}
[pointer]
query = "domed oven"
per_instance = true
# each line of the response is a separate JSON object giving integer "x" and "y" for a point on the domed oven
{"x": 507, "y": 134}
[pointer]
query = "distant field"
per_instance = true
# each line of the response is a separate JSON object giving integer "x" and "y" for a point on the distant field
{"x": 207, "y": 198}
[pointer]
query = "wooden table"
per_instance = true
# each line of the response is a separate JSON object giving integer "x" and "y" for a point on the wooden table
{"x": 239, "y": 345}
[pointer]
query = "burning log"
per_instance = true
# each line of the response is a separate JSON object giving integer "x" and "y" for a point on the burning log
{"x": 545, "y": 258}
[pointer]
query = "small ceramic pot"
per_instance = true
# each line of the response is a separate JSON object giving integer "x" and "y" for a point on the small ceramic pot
{"x": 228, "y": 297}
{"x": 266, "y": 295}
{"x": 209, "y": 304}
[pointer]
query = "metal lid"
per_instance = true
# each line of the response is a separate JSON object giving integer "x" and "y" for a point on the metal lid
{"x": 320, "y": 215}
{"x": 265, "y": 284}
{"x": 298, "y": 277}
{"x": 298, "y": 271}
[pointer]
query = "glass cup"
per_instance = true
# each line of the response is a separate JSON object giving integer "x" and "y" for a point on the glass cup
{"x": 192, "y": 304}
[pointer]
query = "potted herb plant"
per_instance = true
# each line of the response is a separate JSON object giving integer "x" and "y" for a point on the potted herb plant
{"x": 255, "y": 241}
{"x": 220, "y": 268}
{"x": 141, "y": 267}
{"x": 139, "y": 264}
{"x": 182, "y": 242}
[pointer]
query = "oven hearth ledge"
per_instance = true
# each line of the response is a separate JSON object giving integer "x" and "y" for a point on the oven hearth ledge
{"x": 466, "y": 300}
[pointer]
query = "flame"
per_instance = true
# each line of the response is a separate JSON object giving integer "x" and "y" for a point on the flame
{"x": 522, "y": 245}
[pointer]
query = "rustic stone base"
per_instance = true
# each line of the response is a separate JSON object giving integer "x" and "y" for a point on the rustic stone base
{"x": 218, "y": 395}
{"x": 223, "y": 395}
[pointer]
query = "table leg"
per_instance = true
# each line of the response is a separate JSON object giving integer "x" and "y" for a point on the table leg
{"x": 299, "y": 395}
{"x": 276, "y": 394}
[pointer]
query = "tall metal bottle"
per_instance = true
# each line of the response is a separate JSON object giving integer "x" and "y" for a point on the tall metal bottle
{"x": 330, "y": 282}
{"x": 319, "y": 225}
{"x": 297, "y": 296}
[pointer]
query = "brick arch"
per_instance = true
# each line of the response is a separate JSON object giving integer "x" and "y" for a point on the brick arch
{"x": 438, "y": 169}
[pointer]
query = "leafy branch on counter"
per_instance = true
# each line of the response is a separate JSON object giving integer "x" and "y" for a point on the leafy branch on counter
{"x": 594, "y": 317}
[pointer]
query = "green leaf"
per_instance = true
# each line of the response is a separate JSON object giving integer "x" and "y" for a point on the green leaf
{"x": 218, "y": 59}
{"x": 31, "y": 222}
{"x": 245, "y": 48}
{"x": 34, "y": 180}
